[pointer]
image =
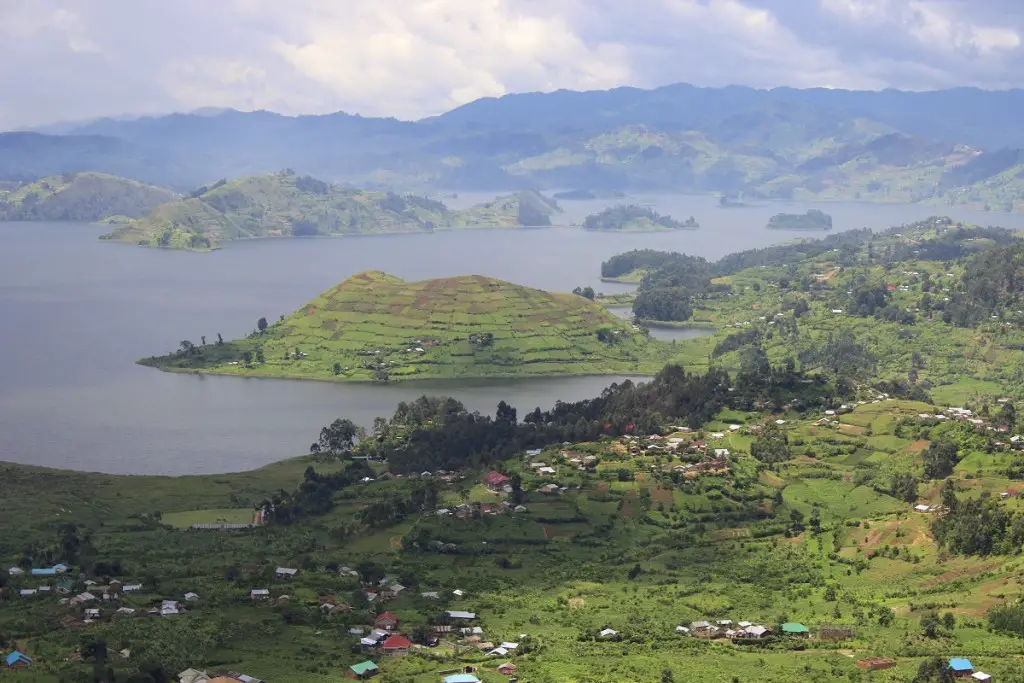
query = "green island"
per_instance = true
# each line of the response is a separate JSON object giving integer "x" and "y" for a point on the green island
{"x": 813, "y": 219}
{"x": 81, "y": 197}
{"x": 286, "y": 204}
{"x": 633, "y": 218}
{"x": 579, "y": 195}
{"x": 829, "y": 488}
{"x": 376, "y": 327}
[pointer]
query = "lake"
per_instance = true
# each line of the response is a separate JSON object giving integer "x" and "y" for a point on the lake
{"x": 77, "y": 312}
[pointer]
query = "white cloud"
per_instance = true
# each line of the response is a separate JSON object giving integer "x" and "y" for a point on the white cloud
{"x": 68, "y": 59}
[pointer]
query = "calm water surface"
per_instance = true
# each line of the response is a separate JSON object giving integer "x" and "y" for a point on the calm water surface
{"x": 75, "y": 313}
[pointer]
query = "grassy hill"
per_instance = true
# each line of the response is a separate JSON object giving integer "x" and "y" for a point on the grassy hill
{"x": 286, "y": 204}
{"x": 374, "y": 326}
{"x": 81, "y": 197}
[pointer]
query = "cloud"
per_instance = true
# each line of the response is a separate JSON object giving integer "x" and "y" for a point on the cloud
{"x": 73, "y": 59}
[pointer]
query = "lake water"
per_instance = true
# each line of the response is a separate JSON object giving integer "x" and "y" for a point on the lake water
{"x": 75, "y": 313}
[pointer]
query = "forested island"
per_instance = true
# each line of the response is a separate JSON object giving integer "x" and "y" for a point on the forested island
{"x": 813, "y": 219}
{"x": 633, "y": 218}
{"x": 287, "y": 204}
{"x": 81, "y": 197}
{"x": 376, "y": 327}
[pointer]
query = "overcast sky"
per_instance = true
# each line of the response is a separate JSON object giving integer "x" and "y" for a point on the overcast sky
{"x": 76, "y": 59}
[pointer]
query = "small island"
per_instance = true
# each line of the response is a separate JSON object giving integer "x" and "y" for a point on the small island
{"x": 812, "y": 220}
{"x": 731, "y": 201}
{"x": 376, "y": 327}
{"x": 633, "y": 218}
{"x": 579, "y": 195}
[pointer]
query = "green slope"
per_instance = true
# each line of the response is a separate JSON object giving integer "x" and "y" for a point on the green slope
{"x": 633, "y": 218}
{"x": 374, "y": 326}
{"x": 286, "y": 204}
{"x": 81, "y": 197}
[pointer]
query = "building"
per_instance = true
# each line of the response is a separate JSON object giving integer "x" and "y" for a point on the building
{"x": 259, "y": 594}
{"x": 286, "y": 572}
{"x": 507, "y": 669}
{"x": 980, "y": 676}
{"x": 396, "y": 645}
{"x": 756, "y": 631}
{"x": 386, "y": 621}
{"x": 607, "y": 633}
{"x": 495, "y": 481}
{"x": 961, "y": 667}
{"x": 18, "y": 660}
{"x": 362, "y": 671}
{"x": 458, "y": 614}
{"x": 796, "y": 629}
{"x": 16, "y": 571}
{"x": 461, "y": 678}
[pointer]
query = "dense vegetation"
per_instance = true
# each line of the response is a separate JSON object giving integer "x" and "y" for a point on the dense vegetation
{"x": 374, "y": 326}
{"x": 633, "y": 218}
{"x": 80, "y": 197}
{"x": 812, "y": 220}
{"x": 288, "y": 204}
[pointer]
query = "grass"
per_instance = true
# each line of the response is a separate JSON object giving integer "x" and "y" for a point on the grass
{"x": 184, "y": 520}
{"x": 375, "y": 326}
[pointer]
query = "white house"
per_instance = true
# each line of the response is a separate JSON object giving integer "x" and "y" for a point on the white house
{"x": 286, "y": 572}
{"x": 16, "y": 571}
{"x": 607, "y": 633}
{"x": 191, "y": 597}
{"x": 259, "y": 594}
{"x": 457, "y": 614}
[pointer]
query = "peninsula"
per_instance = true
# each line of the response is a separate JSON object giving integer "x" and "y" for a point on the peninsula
{"x": 81, "y": 197}
{"x": 633, "y": 218}
{"x": 376, "y": 327}
{"x": 289, "y": 205}
{"x": 812, "y": 220}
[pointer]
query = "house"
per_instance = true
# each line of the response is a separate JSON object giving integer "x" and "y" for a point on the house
{"x": 127, "y": 611}
{"x": 457, "y": 614}
{"x": 498, "y": 652}
{"x": 396, "y": 645}
{"x": 362, "y": 671}
{"x": 549, "y": 488}
{"x": 18, "y": 660}
{"x": 459, "y": 593}
{"x": 961, "y": 667}
{"x": 921, "y": 508}
{"x": 27, "y": 592}
{"x": 44, "y": 572}
{"x": 791, "y": 628}
{"x": 83, "y": 598}
{"x": 193, "y": 676}
{"x": 546, "y": 470}
{"x": 169, "y": 608}
{"x": 191, "y": 597}
{"x": 92, "y": 613}
{"x": 607, "y": 633}
{"x": 431, "y": 595}
{"x": 259, "y": 594}
{"x": 702, "y": 627}
{"x": 520, "y": 508}
{"x": 393, "y": 591}
{"x": 64, "y": 587}
{"x": 682, "y": 629}
{"x": 131, "y": 588}
{"x": 16, "y": 571}
{"x": 980, "y": 676}
{"x": 495, "y": 480}
{"x": 386, "y": 621}
{"x": 281, "y": 599}
{"x": 285, "y": 572}
{"x": 756, "y": 631}
{"x": 721, "y": 452}
{"x": 506, "y": 669}
{"x": 744, "y": 624}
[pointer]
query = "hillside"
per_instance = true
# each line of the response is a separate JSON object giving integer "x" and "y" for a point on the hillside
{"x": 811, "y": 220}
{"x": 782, "y": 143}
{"x": 634, "y": 218}
{"x": 374, "y": 326}
{"x": 286, "y": 204}
{"x": 81, "y": 197}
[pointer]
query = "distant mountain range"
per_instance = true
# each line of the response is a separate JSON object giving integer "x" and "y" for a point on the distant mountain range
{"x": 952, "y": 146}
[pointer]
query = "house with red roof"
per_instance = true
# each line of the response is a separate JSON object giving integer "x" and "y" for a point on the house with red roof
{"x": 386, "y": 620}
{"x": 396, "y": 645}
{"x": 495, "y": 480}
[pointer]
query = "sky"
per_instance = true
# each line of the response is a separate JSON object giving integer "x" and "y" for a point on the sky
{"x": 66, "y": 60}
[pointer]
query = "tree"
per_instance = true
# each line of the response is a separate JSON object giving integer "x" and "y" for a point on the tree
{"x": 949, "y": 621}
{"x": 337, "y": 368}
{"x": 904, "y": 487}
{"x": 585, "y": 292}
{"x": 667, "y": 676}
{"x": 940, "y": 458}
{"x": 771, "y": 445}
{"x": 930, "y": 625}
{"x": 933, "y": 670}
{"x": 260, "y": 358}
{"x": 220, "y": 340}
{"x": 885, "y": 616}
{"x": 338, "y": 437}
{"x": 186, "y": 346}
{"x": 261, "y": 325}
{"x": 203, "y": 338}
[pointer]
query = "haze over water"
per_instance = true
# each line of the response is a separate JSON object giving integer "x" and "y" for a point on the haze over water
{"x": 76, "y": 313}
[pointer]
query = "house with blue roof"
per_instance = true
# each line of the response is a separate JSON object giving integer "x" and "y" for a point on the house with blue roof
{"x": 50, "y": 571}
{"x": 18, "y": 660}
{"x": 461, "y": 678}
{"x": 961, "y": 667}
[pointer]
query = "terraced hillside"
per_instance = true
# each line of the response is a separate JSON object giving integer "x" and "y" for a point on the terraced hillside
{"x": 374, "y": 326}
{"x": 81, "y": 197}
{"x": 285, "y": 204}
